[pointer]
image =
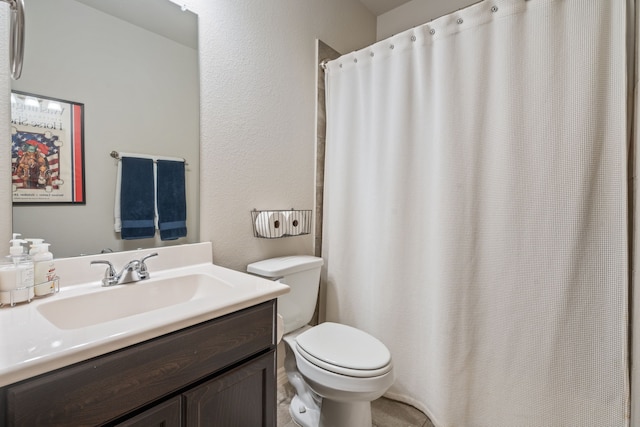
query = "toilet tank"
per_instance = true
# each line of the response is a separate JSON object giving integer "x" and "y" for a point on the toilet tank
{"x": 302, "y": 274}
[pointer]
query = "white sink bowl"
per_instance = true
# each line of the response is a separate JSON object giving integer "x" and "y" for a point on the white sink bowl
{"x": 127, "y": 300}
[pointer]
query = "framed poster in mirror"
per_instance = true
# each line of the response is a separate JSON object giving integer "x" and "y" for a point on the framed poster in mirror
{"x": 47, "y": 150}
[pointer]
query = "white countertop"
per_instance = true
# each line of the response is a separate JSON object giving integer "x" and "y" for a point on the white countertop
{"x": 31, "y": 345}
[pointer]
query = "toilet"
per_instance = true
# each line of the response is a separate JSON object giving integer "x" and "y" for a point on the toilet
{"x": 336, "y": 370}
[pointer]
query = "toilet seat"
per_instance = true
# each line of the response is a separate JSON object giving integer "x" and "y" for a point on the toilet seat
{"x": 344, "y": 350}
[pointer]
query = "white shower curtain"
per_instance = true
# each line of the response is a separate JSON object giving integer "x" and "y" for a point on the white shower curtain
{"x": 476, "y": 211}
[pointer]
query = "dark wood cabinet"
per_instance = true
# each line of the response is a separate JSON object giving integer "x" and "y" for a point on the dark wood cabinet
{"x": 223, "y": 369}
{"x": 233, "y": 399}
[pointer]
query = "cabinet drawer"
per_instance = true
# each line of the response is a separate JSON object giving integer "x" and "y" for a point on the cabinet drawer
{"x": 104, "y": 388}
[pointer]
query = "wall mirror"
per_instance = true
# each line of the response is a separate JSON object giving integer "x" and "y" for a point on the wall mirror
{"x": 133, "y": 64}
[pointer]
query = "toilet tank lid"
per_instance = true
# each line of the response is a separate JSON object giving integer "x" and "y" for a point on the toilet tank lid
{"x": 282, "y": 266}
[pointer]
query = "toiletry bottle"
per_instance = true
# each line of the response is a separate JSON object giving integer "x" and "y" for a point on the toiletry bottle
{"x": 44, "y": 269}
{"x": 24, "y": 271}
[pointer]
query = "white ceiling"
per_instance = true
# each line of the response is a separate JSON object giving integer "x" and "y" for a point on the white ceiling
{"x": 378, "y": 7}
{"x": 153, "y": 15}
{"x": 161, "y": 17}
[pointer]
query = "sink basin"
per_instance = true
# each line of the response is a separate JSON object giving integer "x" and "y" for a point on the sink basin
{"x": 128, "y": 300}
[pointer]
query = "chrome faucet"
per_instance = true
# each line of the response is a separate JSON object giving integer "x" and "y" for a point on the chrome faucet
{"x": 134, "y": 271}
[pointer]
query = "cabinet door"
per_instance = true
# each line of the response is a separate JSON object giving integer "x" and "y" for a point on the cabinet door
{"x": 167, "y": 414}
{"x": 244, "y": 396}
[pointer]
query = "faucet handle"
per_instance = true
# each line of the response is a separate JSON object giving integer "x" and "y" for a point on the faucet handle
{"x": 142, "y": 270}
{"x": 146, "y": 257}
{"x": 109, "y": 274}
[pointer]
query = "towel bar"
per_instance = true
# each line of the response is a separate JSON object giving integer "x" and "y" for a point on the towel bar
{"x": 116, "y": 155}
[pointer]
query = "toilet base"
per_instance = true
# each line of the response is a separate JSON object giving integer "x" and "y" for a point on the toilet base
{"x": 303, "y": 415}
{"x": 332, "y": 414}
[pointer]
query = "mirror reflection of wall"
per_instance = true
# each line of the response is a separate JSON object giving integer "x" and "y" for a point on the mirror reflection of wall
{"x": 140, "y": 92}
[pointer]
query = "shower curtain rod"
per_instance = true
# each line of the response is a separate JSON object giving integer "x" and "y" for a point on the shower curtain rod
{"x": 323, "y": 63}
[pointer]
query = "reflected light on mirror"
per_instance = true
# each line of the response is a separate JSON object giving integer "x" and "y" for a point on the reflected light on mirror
{"x": 55, "y": 106}
{"x": 31, "y": 102}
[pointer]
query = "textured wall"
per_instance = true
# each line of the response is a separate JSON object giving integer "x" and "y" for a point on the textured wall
{"x": 5, "y": 135}
{"x": 258, "y": 108}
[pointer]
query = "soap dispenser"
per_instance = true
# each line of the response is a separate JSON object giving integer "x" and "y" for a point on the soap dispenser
{"x": 24, "y": 270}
{"x": 16, "y": 274}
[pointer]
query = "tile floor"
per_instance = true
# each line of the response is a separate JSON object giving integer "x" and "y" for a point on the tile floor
{"x": 385, "y": 412}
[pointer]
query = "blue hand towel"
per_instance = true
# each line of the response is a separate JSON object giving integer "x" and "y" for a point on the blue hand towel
{"x": 171, "y": 199}
{"x": 137, "y": 204}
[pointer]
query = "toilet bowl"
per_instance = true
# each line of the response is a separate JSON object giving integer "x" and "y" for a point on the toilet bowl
{"x": 345, "y": 367}
{"x": 336, "y": 370}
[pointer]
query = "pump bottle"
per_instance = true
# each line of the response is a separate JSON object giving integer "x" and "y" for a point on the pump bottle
{"x": 16, "y": 274}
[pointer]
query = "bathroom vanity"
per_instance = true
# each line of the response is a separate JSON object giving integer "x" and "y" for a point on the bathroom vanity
{"x": 209, "y": 360}
{"x": 219, "y": 372}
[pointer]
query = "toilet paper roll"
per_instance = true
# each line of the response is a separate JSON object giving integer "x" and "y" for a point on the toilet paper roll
{"x": 294, "y": 221}
{"x": 270, "y": 224}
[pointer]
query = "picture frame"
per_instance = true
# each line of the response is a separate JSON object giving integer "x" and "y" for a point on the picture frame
{"x": 47, "y": 150}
